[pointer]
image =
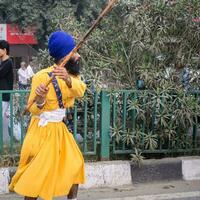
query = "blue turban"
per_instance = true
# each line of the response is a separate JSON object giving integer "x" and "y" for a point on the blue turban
{"x": 60, "y": 44}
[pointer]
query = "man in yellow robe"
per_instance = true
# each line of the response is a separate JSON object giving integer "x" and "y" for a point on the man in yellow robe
{"x": 51, "y": 162}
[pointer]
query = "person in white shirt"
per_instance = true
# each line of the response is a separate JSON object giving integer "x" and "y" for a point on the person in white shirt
{"x": 25, "y": 73}
{"x": 29, "y": 69}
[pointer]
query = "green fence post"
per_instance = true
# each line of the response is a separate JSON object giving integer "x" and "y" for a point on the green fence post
{"x": 85, "y": 128}
{"x": 11, "y": 123}
{"x": 105, "y": 126}
{"x": 95, "y": 121}
{"x": 1, "y": 125}
{"x": 75, "y": 121}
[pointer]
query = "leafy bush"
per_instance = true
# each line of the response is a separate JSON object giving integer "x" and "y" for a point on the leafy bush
{"x": 148, "y": 42}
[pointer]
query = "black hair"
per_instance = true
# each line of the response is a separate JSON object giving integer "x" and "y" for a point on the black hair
{"x": 5, "y": 45}
{"x": 73, "y": 67}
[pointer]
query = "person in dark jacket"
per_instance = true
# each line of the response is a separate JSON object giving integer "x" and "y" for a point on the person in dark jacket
{"x": 6, "y": 83}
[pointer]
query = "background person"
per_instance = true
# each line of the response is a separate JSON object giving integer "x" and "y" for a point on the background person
{"x": 24, "y": 74}
{"x": 30, "y": 69}
{"x": 6, "y": 83}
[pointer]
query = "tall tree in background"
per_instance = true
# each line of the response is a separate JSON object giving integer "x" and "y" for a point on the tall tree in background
{"x": 38, "y": 13}
{"x": 87, "y": 8}
{"x": 41, "y": 13}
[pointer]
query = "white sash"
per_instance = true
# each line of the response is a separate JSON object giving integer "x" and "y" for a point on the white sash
{"x": 51, "y": 116}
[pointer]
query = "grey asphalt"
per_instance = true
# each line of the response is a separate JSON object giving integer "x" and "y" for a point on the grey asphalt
{"x": 193, "y": 198}
{"x": 173, "y": 190}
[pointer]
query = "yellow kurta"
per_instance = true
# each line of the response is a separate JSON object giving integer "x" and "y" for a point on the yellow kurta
{"x": 50, "y": 161}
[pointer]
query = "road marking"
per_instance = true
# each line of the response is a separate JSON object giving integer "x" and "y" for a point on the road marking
{"x": 160, "y": 196}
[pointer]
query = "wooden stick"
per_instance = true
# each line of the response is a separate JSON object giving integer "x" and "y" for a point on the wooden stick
{"x": 69, "y": 56}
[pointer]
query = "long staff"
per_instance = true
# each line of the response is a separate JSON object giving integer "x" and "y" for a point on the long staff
{"x": 67, "y": 58}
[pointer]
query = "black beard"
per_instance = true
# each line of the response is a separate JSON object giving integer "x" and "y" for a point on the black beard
{"x": 73, "y": 67}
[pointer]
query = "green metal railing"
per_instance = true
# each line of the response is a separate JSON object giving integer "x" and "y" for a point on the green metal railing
{"x": 110, "y": 124}
{"x": 16, "y": 105}
{"x": 135, "y": 130}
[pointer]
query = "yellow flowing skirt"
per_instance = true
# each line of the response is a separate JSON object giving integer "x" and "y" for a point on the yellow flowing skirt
{"x": 50, "y": 162}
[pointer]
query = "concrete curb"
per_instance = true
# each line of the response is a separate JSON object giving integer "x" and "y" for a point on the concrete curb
{"x": 4, "y": 180}
{"x": 190, "y": 168}
{"x": 119, "y": 173}
{"x": 157, "y": 170}
{"x": 98, "y": 174}
{"x": 107, "y": 174}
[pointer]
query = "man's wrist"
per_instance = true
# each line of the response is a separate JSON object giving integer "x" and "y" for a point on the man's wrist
{"x": 40, "y": 103}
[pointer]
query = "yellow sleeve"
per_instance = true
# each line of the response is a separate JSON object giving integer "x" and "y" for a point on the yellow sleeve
{"x": 36, "y": 80}
{"x": 78, "y": 88}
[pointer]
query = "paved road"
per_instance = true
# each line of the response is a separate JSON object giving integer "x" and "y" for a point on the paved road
{"x": 173, "y": 190}
{"x": 193, "y": 198}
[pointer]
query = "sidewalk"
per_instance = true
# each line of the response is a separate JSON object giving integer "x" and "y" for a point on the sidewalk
{"x": 163, "y": 179}
{"x": 173, "y": 190}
